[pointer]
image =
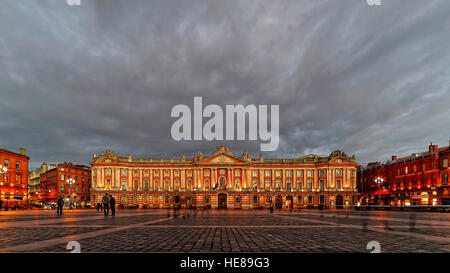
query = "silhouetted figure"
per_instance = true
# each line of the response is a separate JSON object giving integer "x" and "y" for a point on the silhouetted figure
{"x": 412, "y": 222}
{"x": 60, "y": 203}
{"x": 105, "y": 200}
{"x": 271, "y": 206}
{"x": 112, "y": 202}
{"x": 364, "y": 222}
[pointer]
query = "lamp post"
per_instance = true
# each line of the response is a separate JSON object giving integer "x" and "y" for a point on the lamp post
{"x": 70, "y": 182}
{"x": 379, "y": 181}
{"x": 3, "y": 170}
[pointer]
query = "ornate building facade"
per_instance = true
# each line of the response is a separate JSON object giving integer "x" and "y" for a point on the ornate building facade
{"x": 222, "y": 180}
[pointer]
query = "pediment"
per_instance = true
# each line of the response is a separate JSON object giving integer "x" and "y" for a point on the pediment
{"x": 221, "y": 159}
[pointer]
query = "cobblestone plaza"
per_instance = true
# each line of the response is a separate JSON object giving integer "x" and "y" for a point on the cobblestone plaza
{"x": 220, "y": 231}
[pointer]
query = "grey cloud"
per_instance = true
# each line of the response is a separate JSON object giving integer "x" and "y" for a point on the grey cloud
{"x": 372, "y": 81}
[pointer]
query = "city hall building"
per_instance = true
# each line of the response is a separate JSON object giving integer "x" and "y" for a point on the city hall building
{"x": 223, "y": 180}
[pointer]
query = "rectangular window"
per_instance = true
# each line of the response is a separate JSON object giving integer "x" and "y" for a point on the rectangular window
{"x": 310, "y": 199}
{"x": 124, "y": 172}
{"x": 255, "y": 173}
{"x": 445, "y": 163}
{"x": 288, "y": 173}
{"x": 6, "y": 163}
{"x": 299, "y": 173}
{"x": 62, "y": 177}
{"x": 310, "y": 173}
{"x": 338, "y": 183}
{"x": 17, "y": 165}
{"x": 62, "y": 187}
{"x": 124, "y": 183}
{"x": 322, "y": 185}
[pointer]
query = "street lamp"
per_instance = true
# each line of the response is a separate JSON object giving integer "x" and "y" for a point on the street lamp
{"x": 379, "y": 181}
{"x": 70, "y": 182}
{"x": 3, "y": 170}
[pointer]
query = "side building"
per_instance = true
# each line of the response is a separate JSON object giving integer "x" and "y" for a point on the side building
{"x": 34, "y": 182}
{"x": 222, "y": 180}
{"x": 54, "y": 184}
{"x": 14, "y": 178}
{"x": 418, "y": 179}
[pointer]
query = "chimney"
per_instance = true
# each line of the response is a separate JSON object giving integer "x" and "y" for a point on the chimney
{"x": 431, "y": 147}
{"x": 23, "y": 151}
{"x": 394, "y": 157}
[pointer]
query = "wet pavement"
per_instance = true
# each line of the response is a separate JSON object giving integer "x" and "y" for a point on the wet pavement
{"x": 225, "y": 231}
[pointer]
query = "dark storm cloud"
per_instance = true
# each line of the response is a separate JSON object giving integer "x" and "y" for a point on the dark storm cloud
{"x": 372, "y": 81}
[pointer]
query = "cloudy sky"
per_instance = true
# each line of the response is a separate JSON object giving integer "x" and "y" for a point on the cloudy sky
{"x": 77, "y": 80}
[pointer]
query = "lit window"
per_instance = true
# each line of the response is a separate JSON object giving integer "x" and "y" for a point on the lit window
{"x": 237, "y": 183}
{"x": 124, "y": 183}
{"x": 17, "y": 165}
{"x": 278, "y": 173}
{"x": 288, "y": 173}
{"x": 255, "y": 173}
{"x": 338, "y": 172}
{"x": 299, "y": 173}
{"x": 321, "y": 173}
{"x": 124, "y": 172}
{"x": 62, "y": 177}
{"x": 310, "y": 173}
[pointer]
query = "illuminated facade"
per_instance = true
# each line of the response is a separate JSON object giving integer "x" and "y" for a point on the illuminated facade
{"x": 14, "y": 182}
{"x": 225, "y": 181}
{"x": 54, "y": 183}
{"x": 419, "y": 179}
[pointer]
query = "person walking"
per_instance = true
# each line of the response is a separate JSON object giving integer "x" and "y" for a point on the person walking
{"x": 105, "y": 201}
{"x": 112, "y": 203}
{"x": 60, "y": 203}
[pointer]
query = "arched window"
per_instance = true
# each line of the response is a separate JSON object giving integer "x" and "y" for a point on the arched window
{"x": 237, "y": 184}
{"x": 136, "y": 184}
{"x": 124, "y": 183}
{"x": 278, "y": 188}
{"x": 177, "y": 184}
{"x": 289, "y": 185}
{"x": 189, "y": 184}
{"x": 222, "y": 182}
{"x": 321, "y": 172}
{"x": 166, "y": 184}
{"x": 268, "y": 182}
{"x": 309, "y": 185}
{"x": 146, "y": 184}
{"x": 255, "y": 184}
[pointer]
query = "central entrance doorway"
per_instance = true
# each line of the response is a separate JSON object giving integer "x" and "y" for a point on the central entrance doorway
{"x": 339, "y": 202}
{"x": 279, "y": 202}
{"x": 222, "y": 201}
